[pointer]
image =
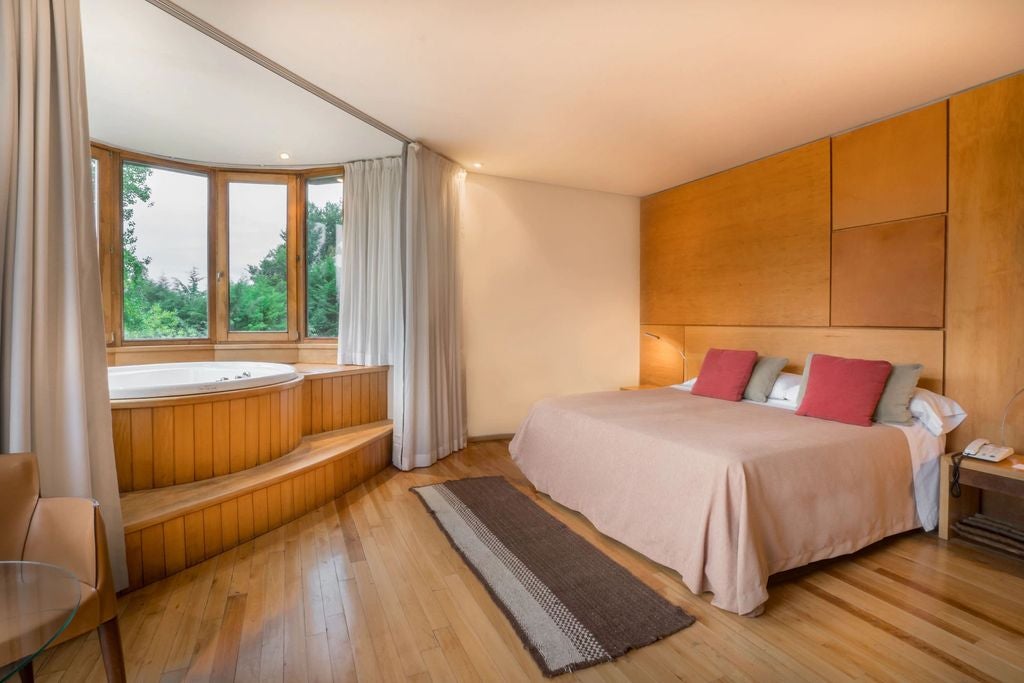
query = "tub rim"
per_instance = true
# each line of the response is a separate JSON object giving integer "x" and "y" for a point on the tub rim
{"x": 207, "y": 397}
{"x": 285, "y": 372}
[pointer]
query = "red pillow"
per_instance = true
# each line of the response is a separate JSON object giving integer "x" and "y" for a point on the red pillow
{"x": 844, "y": 389}
{"x": 725, "y": 374}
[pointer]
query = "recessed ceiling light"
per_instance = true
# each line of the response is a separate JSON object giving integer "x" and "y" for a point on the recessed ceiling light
{"x": 477, "y": 164}
{"x": 285, "y": 155}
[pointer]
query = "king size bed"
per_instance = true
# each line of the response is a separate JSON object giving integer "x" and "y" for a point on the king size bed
{"x": 728, "y": 493}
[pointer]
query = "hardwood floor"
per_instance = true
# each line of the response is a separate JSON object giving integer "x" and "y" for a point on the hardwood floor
{"x": 367, "y": 588}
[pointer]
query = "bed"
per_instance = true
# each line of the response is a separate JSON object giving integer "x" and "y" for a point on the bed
{"x": 727, "y": 493}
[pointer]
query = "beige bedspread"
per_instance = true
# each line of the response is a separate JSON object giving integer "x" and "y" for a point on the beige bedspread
{"x": 724, "y": 493}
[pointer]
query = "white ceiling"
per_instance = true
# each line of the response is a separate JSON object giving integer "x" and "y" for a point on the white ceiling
{"x": 629, "y": 97}
{"x": 157, "y": 85}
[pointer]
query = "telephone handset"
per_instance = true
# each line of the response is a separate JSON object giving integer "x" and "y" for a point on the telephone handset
{"x": 983, "y": 449}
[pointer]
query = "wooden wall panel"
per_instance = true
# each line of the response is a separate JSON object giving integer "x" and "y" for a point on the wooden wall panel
{"x": 749, "y": 246}
{"x": 170, "y": 545}
{"x": 890, "y": 275}
{"x": 896, "y": 346}
{"x": 985, "y": 306}
{"x": 660, "y": 361}
{"x": 890, "y": 170}
{"x": 165, "y": 442}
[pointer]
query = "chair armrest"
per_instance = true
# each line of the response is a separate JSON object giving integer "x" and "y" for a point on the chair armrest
{"x": 63, "y": 532}
{"x": 69, "y": 533}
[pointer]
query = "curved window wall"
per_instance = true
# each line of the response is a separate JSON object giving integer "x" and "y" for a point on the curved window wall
{"x": 200, "y": 254}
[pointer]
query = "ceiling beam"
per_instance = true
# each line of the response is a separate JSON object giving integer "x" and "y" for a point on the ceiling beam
{"x": 241, "y": 48}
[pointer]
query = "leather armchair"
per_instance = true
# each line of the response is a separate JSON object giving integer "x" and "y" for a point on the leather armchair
{"x": 67, "y": 532}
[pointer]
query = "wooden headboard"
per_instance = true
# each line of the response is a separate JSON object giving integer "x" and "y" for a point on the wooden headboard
{"x": 794, "y": 343}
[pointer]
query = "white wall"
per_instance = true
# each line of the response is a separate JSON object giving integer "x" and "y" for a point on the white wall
{"x": 551, "y": 292}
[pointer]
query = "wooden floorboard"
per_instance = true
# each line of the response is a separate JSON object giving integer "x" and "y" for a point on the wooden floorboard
{"x": 366, "y": 588}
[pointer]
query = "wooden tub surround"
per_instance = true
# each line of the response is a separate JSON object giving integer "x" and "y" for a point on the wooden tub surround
{"x": 201, "y": 474}
{"x": 167, "y": 441}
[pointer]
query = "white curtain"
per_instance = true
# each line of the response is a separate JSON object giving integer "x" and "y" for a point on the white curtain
{"x": 53, "y": 373}
{"x": 435, "y": 398}
{"x": 400, "y": 296}
{"x": 370, "y": 271}
{"x": 371, "y": 319}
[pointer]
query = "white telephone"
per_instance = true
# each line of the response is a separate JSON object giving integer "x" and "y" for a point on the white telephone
{"x": 984, "y": 450}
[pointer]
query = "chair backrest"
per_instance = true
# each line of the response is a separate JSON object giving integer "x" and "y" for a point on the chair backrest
{"x": 19, "y": 491}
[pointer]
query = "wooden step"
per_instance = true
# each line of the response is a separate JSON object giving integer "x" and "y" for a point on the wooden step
{"x": 171, "y": 528}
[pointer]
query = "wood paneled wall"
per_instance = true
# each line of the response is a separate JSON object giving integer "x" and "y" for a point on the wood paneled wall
{"x": 733, "y": 258}
{"x": 169, "y": 441}
{"x": 746, "y": 247}
{"x": 890, "y": 170}
{"x": 985, "y": 311}
{"x": 190, "y": 535}
{"x": 890, "y": 275}
{"x": 334, "y": 400}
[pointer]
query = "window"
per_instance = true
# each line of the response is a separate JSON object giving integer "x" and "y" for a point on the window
{"x": 95, "y": 165}
{"x": 195, "y": 252}
{"x": 258, "y": 256}
{"x": 323, "y": 225}
{"x": 164, "y": 239}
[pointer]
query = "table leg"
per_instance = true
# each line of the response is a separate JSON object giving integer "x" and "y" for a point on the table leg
{"x": 28, "y": 674}
{"x": 952, "y": 510}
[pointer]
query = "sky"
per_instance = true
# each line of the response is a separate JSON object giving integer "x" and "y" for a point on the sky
{"x": 173, "y": 230}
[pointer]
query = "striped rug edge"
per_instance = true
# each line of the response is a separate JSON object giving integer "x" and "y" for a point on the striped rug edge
{"x": 549, "y": 669}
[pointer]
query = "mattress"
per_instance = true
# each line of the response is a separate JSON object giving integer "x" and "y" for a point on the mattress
{"x": 725, "y": 493}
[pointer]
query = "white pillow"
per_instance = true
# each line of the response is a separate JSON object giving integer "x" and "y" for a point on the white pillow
{"x": 793, "y": 394}
{"x": 688, "y": 384}
{"x": 785, "y": 382}
{"x": 939, "y": 414}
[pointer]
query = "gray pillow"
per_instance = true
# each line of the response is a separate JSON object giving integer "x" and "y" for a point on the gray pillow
{"x": 766, "y": 371}
{"x": 894, "y": 406}
{"x": 803, "y": 380}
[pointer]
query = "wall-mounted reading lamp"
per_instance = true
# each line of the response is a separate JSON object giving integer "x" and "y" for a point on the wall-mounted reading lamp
{"x": 672, "y": 346}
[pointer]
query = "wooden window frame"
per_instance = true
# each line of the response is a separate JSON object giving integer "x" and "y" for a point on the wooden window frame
{"x": 107, "y": 210}
{"x": 123, "y": 157}
{"x": 223, "y": 270}
{"x": 110, "y": 162}
{"x": 339, "y": 172}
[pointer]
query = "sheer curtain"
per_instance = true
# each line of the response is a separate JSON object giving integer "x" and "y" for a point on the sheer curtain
{"x": 435, "y": 398}
{"x": 371, "y": 319}
{"x": 53, "y": 371}
{"x": 400, "y": 297}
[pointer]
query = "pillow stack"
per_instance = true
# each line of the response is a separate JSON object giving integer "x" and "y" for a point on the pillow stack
{"x": 843, "y": 389}
{"x": 849, "y": 390}
{"x": 732, "y": 375}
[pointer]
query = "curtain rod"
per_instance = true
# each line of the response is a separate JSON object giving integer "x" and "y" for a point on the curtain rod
{"x": 224, "y": 39}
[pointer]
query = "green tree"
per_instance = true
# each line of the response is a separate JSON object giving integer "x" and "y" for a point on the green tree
{"x": 162, "y": 308}
{"x": 322, "y": 225}
{"x": 259, "y": 299}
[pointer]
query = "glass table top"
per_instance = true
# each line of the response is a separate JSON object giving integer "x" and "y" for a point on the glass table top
{"x": 37, "y": 602}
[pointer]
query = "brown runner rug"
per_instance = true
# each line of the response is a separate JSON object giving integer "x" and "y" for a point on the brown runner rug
{"x": 571, "y": 605}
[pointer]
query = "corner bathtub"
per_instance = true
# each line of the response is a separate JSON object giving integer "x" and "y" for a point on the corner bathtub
{"x": 183, "y": 379}
{"x": 176, "y": 423}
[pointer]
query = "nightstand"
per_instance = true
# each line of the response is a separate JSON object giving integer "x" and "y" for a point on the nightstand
{"x": 975, "y": 476}
{"x": 638, "y": 387}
